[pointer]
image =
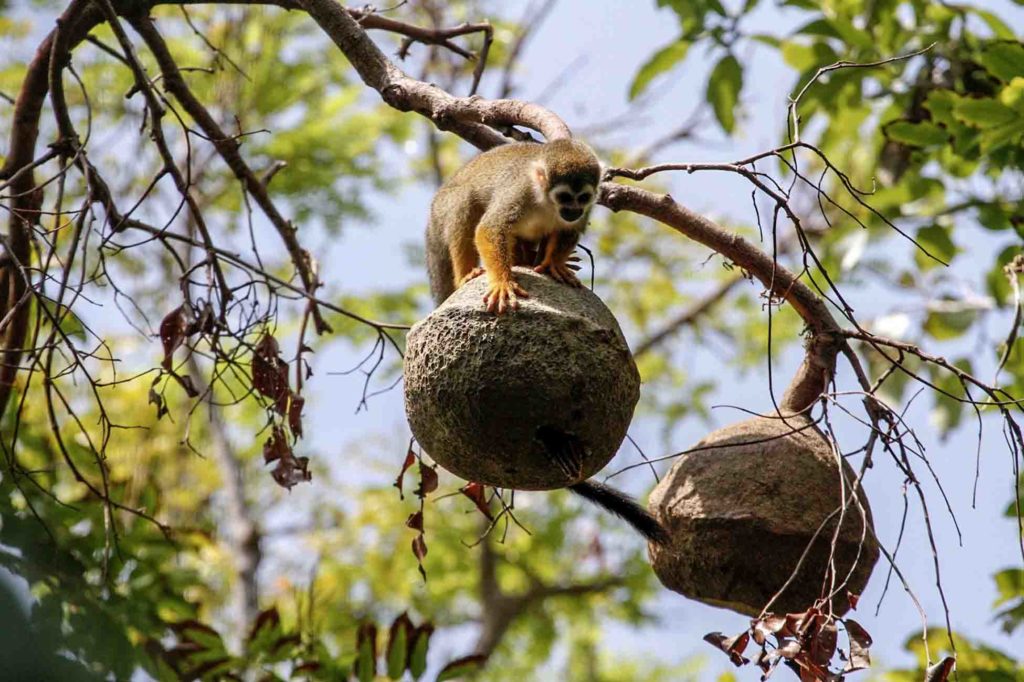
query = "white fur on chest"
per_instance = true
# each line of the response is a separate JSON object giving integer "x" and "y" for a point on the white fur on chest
{"x": 539, "y": 222}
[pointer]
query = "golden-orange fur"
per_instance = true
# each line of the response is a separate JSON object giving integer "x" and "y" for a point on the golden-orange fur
{"x": 502, "y": 199}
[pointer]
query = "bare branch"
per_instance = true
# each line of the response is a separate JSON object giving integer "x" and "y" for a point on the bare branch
{"x": 461, "y": 115}
{"x": 228, "y": 147}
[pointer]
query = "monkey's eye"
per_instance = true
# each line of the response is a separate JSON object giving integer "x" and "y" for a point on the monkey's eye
{"x": 563, "y": 198}
{"x": 584, "y": 198}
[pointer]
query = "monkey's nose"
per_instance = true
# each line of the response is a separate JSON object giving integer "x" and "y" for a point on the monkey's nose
{"x": 570, "y": 214}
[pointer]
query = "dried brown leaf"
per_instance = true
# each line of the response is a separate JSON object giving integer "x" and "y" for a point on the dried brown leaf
{"x": 860, "y": 644}
{"x": 172, "y": 334}
{"x": 276, "y": 447}
{"x": 477, "y": 493}
{"x": 156, "y": 399}
{"x": 823, "y": 644}
{"x": 790, "y": 648}
{"x": 295, "y": 414}
{"x": 415, "y": 521}
{"x": 763, "y": 628}
{"x": 733, "y": 647}
{"x": 292, "y": 470}
{"x": 185, "y": 381}
{"x": 410, "y": 459}
{"x": 940, "y": 671}
{"x": 428, "y": 481}
{"x": 270, "y": 373}
{"x": 419, "y": 550}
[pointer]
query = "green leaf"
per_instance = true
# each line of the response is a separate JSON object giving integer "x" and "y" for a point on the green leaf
{"x": 1009, "y": 585}
{"x": 984, "y": 113}
{"x": 461, "y": 666}
{"x": 661, "y": 61}
{"x": 806, "y": 57}
{"x": 366, "y": 652}
{"x": 398, "y": 646}
{"x": 941, "y": 103}
{"x": 994, "y": 216}
{"x": 999, "y": 27}
{"x": 418, "y": 653}
{"x": 818, "y": 27}
{"x": 766, "y": 39}
{"x": 922, "y": 134}
{"x": 852, "y": 35}
{"x": 1000, "y": 136}
{"x": 723, "y": 92}
{"x": 692, "y": 15}
{"x": 265, "y": 631}
{"x": 944, "y": 326}
{"x": 70, "y": 323}
{"x": 1013, "y": 95}
{"x": 802, "y": 4}
{"x": 936, "y": 240}
{"x": 1005, "y": 61}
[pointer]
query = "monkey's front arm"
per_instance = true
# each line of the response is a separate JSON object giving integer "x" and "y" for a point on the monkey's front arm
{"x": 559, "y": 247}
{"x": 496, "y": 245}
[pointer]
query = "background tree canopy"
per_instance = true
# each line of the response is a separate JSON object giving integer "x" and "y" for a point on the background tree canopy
{"x": 213, "y": 251}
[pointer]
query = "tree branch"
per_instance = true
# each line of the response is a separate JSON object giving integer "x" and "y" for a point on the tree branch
{"x": 76, "y": 22}
{"x": 701, "y": 307}
{"x": 499, "y": 609}
{"x": 816, "y": 372}
{"x": 228, "y": 148}
{"x": 461, "y": 115}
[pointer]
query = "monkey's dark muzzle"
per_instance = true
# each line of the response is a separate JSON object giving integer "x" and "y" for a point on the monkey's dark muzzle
{"x": 570, "y": 214}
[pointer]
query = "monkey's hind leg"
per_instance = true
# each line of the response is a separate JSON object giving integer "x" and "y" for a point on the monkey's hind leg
{"x": 559, "y": 247}
{"x": 464, "y": 261}
{"x": 472, "y": 274}
{"x": 496, "y": 248}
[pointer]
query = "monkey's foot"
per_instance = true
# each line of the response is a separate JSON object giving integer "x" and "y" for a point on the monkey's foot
{"x": 560, "y": 272}
{"x": 502, "y": 296}
{"x": 472, "y": 274}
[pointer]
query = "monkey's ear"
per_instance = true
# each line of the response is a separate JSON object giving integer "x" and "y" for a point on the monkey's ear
{"x": 540, "y": 174}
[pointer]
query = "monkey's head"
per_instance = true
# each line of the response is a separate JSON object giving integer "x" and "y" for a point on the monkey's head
{"x": 568, "y": 174}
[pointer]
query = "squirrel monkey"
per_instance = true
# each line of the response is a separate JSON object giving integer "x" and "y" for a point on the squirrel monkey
{"x": 515, "y": 193}
{"x": 520, "y": 192}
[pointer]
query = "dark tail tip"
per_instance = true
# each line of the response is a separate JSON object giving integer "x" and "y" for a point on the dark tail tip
{"x": 625, "y": 507}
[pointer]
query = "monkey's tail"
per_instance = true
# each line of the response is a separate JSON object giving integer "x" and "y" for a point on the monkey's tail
{"x": 439, "y": 266}
{"x": 625, "y": 507}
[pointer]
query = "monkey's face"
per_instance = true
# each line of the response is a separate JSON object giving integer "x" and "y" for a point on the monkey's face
{"x": 572, "y": 201}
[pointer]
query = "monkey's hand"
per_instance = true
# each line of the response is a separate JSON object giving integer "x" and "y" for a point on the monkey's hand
{"x": 560, "y": 272}
{"x": 503, "y": 295}
{"x": 472, "y": 274}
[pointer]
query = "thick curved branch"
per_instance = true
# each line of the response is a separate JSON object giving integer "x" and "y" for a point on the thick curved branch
{"x": 825, "y": 339}
{"x": 471, "y": 118}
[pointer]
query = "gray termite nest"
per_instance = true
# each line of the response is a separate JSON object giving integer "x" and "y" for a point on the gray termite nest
{"x": 490, "y": 397}
{"x": 742, "y": 507}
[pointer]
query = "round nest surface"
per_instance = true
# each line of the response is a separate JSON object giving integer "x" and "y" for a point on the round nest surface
{"x": 744, "y": 504}
{"x": 536, "y": 399}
